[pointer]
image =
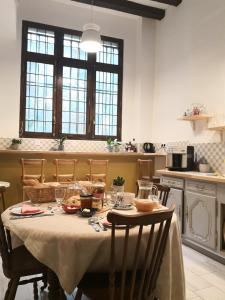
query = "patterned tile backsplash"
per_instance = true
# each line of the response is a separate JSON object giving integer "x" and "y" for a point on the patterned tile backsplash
{"x": 214, "y": 153}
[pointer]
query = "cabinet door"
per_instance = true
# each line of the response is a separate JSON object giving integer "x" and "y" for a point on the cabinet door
{"x": 200, "y": 216}
{"x": 176, "y": 197}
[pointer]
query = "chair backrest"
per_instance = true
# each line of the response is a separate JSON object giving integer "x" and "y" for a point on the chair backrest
{"x": 142, "y": 280}
{"x": 144, "y": 169}
{"x": 5, "y": 247}
{"x": 65, "y": 165}
{"x": 2, "y": 198}
{"x": 29, "y": 166}
{"x": 98, "y": 169}
{"x": 163, "y": 192}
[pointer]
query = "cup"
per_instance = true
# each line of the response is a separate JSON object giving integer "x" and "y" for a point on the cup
{"x": 60, "y": 195}
{"x": 126, "y": 198}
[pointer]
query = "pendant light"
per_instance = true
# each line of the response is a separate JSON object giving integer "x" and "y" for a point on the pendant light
{"x": 91, "y": 40}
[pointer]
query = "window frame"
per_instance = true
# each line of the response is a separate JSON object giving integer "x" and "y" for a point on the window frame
{"x": 58, "y": 62}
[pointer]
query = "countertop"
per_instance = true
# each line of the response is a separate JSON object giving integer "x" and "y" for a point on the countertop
{"x": 193, "y": 175}
{"x": 62, "y": 153}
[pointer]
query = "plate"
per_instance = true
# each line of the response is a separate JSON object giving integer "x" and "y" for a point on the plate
{"x": 127, "y": 207}
{"x": 17, "y": 211}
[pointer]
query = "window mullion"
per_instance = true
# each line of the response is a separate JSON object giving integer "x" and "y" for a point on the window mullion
{"x": 57, "y": 111}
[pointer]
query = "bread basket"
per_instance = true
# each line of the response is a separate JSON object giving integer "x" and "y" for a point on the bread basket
{"x": 40, "y": 194}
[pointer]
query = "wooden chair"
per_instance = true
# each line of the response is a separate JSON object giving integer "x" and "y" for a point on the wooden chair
{"x": 65, "y": 164}
{"x": 140, "y": 282}
{"x": 29, "y": 166}
{"x": 17, "y": 263}
{"x": 98, "y": 170}
{"x": 144, "y": 169}
{"x": 163, "y": 192}
{"x": 3, "y": 186}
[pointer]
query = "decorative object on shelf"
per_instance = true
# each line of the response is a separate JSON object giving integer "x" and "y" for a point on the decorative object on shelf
{"x": 15, "y": 144}
{"x": 91, "y": 39}
{"x": 131, "y": 147}
{"x": 61, "y": 142}
{"x": 148, "y": 148}
{"x": 118, "y": 184}
{"x": 195, "y": 112}
{"x": 195, "y": 109}
{"x": 113, "y": 145}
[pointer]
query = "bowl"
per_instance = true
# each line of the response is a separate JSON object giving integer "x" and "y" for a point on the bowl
{"x": 145, "y": 205}
{"x": 70, "y": 209}
{"x": 87, "y": 212}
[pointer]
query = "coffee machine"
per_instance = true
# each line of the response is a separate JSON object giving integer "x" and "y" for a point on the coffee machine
{"x": 180, "y": 158}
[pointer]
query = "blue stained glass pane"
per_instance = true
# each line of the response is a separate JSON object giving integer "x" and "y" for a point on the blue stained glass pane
{"x": 65, "y": 116}
{"x": 48, "y": 127}
{"x": 48, "y": 116}
{"x": 66, "y": 106}
{"x": 40, "y": 103}
{"x": 40, "y": 41}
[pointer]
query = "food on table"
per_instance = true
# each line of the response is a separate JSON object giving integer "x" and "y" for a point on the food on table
{"x": 145, "y": 205}
{"x": 73, "y": 200}
{"x": 25, "y": 209}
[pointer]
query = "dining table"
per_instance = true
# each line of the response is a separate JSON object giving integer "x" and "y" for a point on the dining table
{"x": 70, "y": 246}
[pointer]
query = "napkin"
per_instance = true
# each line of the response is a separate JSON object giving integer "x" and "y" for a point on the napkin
{"x": 26, "y": 209}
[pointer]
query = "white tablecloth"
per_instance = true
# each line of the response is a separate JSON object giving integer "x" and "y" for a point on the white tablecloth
{"x": 70, "y": 247}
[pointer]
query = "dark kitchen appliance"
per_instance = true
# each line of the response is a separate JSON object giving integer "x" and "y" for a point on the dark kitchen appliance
{"x": 149, "y": 148}
{"x": 180, "y": 158}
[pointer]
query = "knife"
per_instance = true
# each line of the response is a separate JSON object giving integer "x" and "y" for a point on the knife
{"x": 30, "y": 216}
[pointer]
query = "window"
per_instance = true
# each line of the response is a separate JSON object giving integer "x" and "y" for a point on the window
{"x": 67, "y": 91}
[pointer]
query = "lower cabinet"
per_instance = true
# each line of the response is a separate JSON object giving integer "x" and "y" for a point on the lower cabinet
{"x": 200, "y": 219}
{"x": 176, "y": 197}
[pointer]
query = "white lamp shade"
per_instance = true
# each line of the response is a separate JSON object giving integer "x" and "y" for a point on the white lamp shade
{"x": 91, "y": 40}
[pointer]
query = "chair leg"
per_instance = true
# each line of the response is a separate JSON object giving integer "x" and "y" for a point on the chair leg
{"x": 8, "y": 289}
{"x": 12, "y": 288}
{"x": 78, "y": 294}
{"x": 45, "y": 282}
{"x": 35, "y": 290}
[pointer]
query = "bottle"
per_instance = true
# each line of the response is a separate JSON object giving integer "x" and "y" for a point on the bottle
{"x": 134, "y": 146}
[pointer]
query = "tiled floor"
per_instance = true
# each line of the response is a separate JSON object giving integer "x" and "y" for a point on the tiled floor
{"x": 205, "y": 279}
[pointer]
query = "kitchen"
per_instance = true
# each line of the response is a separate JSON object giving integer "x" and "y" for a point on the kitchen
{"x": 168, "y": 66}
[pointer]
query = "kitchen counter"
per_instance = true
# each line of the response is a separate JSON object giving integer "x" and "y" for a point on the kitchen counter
{"x": 213, "y": 177}
{"x": 120, "y": 164}
{"x": 64, "y": 153}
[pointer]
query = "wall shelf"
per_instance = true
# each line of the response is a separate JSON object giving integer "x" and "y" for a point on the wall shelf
{"x": 220, "y": 129}
{"x": 217, "y": 128}
{"x": 194, "y": 118}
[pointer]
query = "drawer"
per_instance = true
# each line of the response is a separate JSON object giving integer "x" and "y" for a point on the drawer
{"x": 172, "y": 182}
{"x": 201, "y": 187}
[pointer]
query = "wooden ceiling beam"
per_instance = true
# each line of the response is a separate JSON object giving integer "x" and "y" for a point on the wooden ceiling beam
{"x": 128, "y": 7}
{"x": 169, "y": 2}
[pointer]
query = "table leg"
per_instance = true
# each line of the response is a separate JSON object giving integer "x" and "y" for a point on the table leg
{"x": 54, "y": 289}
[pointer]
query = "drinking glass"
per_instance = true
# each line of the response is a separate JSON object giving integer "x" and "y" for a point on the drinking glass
{"x": 59, "y": 195}
{"x": 111, "y": 199}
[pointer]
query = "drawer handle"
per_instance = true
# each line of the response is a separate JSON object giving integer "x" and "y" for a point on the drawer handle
{"x": 187, "y": 216}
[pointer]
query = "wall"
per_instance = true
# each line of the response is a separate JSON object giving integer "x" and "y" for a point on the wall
{"x": 74, "y": 15}
{"x": 189, "y": 68}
